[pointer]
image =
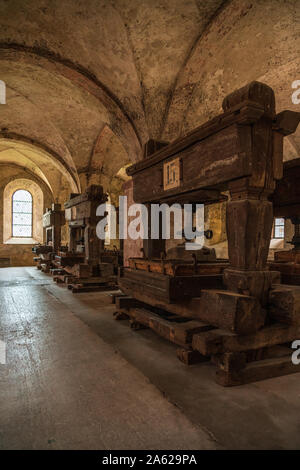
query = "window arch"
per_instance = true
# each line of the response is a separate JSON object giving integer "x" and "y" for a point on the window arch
{"x": 12, "y": 232}
{"x": 22, "y": 213}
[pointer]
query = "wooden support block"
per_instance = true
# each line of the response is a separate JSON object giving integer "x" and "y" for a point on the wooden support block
{"x": 79, "y": 270}
{"x": 137, "y": 326}
{"x": 230, "y": 361}
{"x": 285, "y": 304}
{"x": 178, "y": 333}
{"x": 258, "y": 370}
{"x": 232, "y": 311}
{"x": 251, "y": 283}
{"x": 220, "y": 341}
{"x": 120, "y": 316}
{"x": 106, "y": 269}
{"x": 141, "y": 315}
{"x": 190, "y": 357}
{"x": 113, "y": 296}
{"x": 77, "y": 288}
{"x": 126, "y": 302}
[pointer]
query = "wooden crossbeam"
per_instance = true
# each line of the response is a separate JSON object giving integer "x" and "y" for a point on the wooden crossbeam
{"x": 220, "y": 341}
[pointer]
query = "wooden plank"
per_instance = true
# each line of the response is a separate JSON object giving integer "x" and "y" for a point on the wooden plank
{"x": 229, "y": 117}
{"x": 154, "y": 286}
{"x": 178, "y": 333}
{"x": 220, "y": 341}
{"x": 94, "y": 288}
{"x": 94, "y": 280}
{"x": 289, "y": 256}
{"x": 175, "y": 288}
{"x": 258, "y": 370}
{"x": 149, "y": 278}
{"x": 172, "y": 268}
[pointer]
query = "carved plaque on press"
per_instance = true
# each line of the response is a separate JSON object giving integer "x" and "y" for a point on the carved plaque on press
{"x": 172, "y": 174}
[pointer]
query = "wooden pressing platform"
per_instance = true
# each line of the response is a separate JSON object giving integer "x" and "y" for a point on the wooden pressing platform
{"x": 177, "y": 267}
{"x": 89, "y": 284}
{"x": 172, "y": 280}
{"x": 239, "y": 359}
{"x": 92, "y": 284}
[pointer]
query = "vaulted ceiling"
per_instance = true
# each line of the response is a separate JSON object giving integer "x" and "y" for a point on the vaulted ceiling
{"x": 89, "y": 82}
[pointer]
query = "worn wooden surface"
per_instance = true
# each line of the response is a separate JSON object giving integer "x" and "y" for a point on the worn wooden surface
{"x": 170, "y": 327}
{"x": 169, "y": 288}
{"x": 285, "y": 304}
{"x": 286, "y": 197}
{"x": 221, "y": 341}
{"x": 258, "y": 370}
{"x": 177, "y": 267}
{"x": 236, "y": 312}
{"x": 286, "y": 200}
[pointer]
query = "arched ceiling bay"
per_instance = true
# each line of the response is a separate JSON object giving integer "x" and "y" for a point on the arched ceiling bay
{"x": 91, "y": 82}
{"x": 246, "y": 41}
{"x": 38, "y": 162}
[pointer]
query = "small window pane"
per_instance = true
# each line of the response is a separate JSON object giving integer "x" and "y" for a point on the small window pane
{"x": 279, "y": 221}
{"x": 279, "y": 232}
{"x": 279, "y": 228}
{"x": 22, "y": 214}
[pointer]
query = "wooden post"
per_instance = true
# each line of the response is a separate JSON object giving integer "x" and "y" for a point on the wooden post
{"x": 152, "y": 248}
{"x": 72, "y": 239}
{"x": 249, "y": 215}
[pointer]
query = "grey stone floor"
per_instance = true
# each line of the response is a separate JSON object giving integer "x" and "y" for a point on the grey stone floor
{"x": 77, "y": 379}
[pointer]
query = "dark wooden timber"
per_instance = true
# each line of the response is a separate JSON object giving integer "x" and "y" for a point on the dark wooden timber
{"x": 240, "y": 151}
{"x": 286, "y": 201}
{"x": 53, "y": 220}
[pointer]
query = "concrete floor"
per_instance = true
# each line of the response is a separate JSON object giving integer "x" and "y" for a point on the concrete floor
{"x": 77, "y": 379}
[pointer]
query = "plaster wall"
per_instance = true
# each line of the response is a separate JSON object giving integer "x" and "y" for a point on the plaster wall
{"x": 11, "y": 177}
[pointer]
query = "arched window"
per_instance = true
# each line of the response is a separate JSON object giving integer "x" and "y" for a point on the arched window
{"x": 23, "y": 206}
{"x": 22, "y": 213}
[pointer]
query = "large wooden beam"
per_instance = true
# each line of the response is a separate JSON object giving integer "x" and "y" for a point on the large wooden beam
{"x": 221, "y": 341}
{"x": 258, "y": 370}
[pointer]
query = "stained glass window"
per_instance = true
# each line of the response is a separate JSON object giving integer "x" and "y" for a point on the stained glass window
{"x": 22, "y": 214}
{"x": 279, "y": 228}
